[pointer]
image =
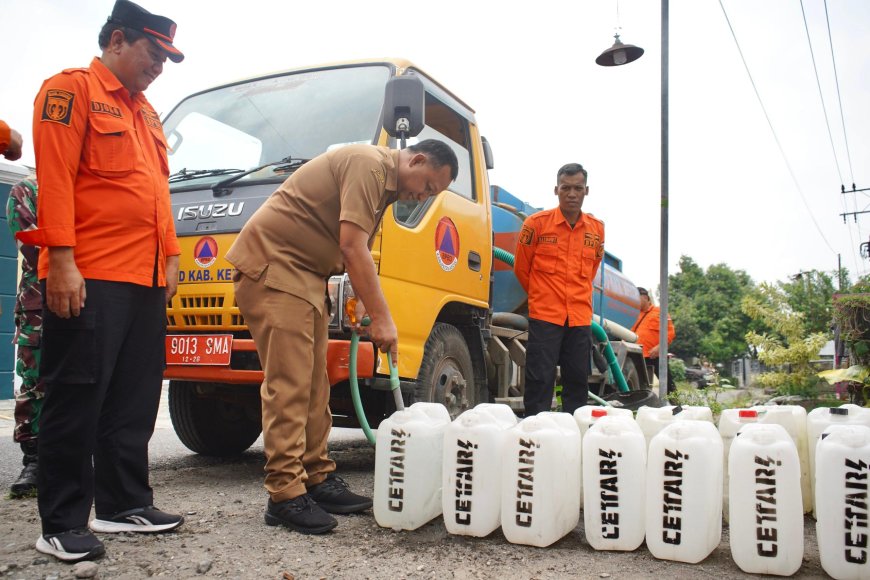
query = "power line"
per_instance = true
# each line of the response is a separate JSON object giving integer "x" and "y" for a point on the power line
{"x": 772, "y": 130}
{"x": 828, "y": 122}
{"x": 839, "y": 99}
{"x": 821, "y": 97}
{"x": 845, "y": 137}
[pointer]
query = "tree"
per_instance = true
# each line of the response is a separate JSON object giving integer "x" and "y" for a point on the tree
{"x": 705, "y": 308}
{"x": 789, "y": 345}
{"x": 811, "y": 293}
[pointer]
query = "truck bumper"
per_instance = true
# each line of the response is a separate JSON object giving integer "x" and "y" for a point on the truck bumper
{"x": 337, "y": 365}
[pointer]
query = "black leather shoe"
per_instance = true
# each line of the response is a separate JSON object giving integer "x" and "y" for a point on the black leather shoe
{"x": 25, "y": 485}
{"x": 301, "y": 514}
{"x": 334, "y": 496}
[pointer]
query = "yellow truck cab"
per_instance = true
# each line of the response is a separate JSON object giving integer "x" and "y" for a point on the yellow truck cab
{"x": 434, "y": 259}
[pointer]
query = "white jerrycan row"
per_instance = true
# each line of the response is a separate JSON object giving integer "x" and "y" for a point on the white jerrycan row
{"x": 651, "y": 420}
{"x": 408, "y": 455}
{"x": 730, "y": 422}
{"x": 794, "y": 419}
{"x": 474, "y": 446}
{"x": 540, "y": 500}
{"x": 767, "y": 519}
{"x": 842, "y": 476}
{"x": 819, "y": 419}
{"x": 683, "y": 492}
{"x": 614, "y": 484}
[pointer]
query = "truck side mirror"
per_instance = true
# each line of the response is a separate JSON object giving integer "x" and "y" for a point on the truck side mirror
{"x": 404, "y": 107}
{"x": 487, "y": 153}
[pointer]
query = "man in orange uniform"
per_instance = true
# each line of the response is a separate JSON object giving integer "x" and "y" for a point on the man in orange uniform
{"x": 10, "y": 142}
{"x": 108, "y": 263}
{"x": 647, "y": 330}
{"x": 557, "y": 257}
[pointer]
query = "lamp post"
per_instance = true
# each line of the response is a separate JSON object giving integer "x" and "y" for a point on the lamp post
{"x": 617, "y": 55}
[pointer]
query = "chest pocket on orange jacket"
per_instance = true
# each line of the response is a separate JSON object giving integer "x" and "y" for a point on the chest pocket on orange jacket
{"x": 546, "y": 258}
{"x": 162, "y": 148}
{"x": 110, "y": 151}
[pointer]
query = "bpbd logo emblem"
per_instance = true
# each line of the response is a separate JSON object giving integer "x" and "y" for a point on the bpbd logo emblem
{"x": 446, "y": 244}
{"x": 205, "y": 252}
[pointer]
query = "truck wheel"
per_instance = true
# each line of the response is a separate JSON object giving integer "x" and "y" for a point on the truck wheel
{"x": 446, "y": 374}
{"x": 632, "y": 377}
{"x": 212, "y": 425}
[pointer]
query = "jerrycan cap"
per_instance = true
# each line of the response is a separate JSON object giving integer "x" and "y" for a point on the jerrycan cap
{"x": 599, "y": 413}
{"x": 747, "y": 414}
{"x": 839, "y": 411}
{"x": 677, "y": 410}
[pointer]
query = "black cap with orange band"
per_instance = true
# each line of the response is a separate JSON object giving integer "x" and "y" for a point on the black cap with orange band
{"x": 160, "y": 29}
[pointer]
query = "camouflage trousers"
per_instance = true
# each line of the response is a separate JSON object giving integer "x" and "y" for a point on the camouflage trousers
{"x": 28, "y": 402}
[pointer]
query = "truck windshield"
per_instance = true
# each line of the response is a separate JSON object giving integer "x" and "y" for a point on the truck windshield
{"x": 252, "y": 123}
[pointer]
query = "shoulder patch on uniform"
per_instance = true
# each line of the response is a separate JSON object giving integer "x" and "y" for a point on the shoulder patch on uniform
{"x": 58, "y": 106}
{"x": 526, "y": 235}
{"x": 379, "y": 175}
{"x": 151, "y": 118}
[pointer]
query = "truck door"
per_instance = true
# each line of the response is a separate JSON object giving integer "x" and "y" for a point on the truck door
{"x": 439, "y": 251}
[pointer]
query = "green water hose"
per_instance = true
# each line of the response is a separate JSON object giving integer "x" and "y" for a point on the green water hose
{"x": 354, "y": 384}
{"x": 597, "y": 331}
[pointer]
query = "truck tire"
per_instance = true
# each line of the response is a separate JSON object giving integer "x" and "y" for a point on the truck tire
{"x": 213, "y": 426}
{"x": 446, "y": 374}
{"x": 632, "y": 377}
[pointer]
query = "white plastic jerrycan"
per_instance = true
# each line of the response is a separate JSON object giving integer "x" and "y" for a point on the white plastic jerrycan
{"x": 614, "y": 484}
{"x": 842, "y": 478}
{"x": 540, "y": 499}
{"x": 794, "y": 419}
{"x": 588, "y": 414}
{"x": 730, "y": 422}
{"x": 474, "y": 446}
{"x": 767, "y": 518}
{"x": 683, "y": 492}
{"x": 819, "y": 419}
{"x": 653, "y": 419}
{"x": 408, "y": 455}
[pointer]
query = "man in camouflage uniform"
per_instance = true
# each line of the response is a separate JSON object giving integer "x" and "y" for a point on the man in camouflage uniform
{"x": 21, "y": 216}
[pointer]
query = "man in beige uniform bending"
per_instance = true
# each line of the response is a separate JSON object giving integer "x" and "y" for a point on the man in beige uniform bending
{"x": 319, "y": 223}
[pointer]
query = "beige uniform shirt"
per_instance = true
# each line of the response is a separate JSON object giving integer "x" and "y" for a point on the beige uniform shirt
{"x": 293, "y": 238}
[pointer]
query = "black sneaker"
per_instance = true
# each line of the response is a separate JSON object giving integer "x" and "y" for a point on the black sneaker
{"x": 148, "y": 519}
{"x": 25, "y": 485}
{"x": 71, "y": 546}
{"x": 301, "y": 514}
{"x": 335, "y": 496}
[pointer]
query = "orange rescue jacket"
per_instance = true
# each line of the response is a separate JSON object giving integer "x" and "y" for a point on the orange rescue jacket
{"x": 103, "y": 178}
{"x": 556, "y": 265}
{"x": 647, "y": 329}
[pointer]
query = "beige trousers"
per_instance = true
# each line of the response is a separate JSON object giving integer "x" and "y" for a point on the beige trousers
{"x": 292, "y": 339}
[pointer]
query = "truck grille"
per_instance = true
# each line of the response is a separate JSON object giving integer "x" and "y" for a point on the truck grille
{"x": 204, "y": 312}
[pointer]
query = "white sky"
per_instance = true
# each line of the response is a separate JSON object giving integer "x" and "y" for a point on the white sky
{"x": 528, "y": 70}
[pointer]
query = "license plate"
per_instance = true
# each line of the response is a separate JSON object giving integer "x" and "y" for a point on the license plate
{"x": 199, "y": 349}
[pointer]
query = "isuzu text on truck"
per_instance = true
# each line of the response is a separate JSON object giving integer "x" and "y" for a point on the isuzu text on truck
{"x": 461, "y": 340}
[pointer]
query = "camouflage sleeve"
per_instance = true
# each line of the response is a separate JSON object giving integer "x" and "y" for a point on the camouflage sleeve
{"x": 21, "y": 215}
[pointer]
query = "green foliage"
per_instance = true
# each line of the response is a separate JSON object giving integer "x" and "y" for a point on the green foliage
{"x": 852, "y": 316}
{"x": 705, "y": 308}
{"x": 787, "y": 346}
{"x": 811, "y": 293}
{"x": 677, "y": 369}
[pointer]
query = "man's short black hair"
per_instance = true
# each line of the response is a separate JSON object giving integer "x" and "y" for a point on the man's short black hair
{"x": 571, "y": 169}
{"x": 643, "y": 291}
{"x": 110, "y": 27}
{"x": 439, "y": 153}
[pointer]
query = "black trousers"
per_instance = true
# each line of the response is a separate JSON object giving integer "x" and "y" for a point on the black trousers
{"x": 103, "y": 372}
{"x": 551, "y": 344}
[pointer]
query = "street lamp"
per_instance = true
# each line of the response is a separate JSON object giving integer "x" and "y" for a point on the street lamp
{"x": 617, "y": 55}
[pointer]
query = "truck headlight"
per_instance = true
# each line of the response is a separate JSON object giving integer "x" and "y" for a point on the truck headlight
{"x": 340, "y": 292}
